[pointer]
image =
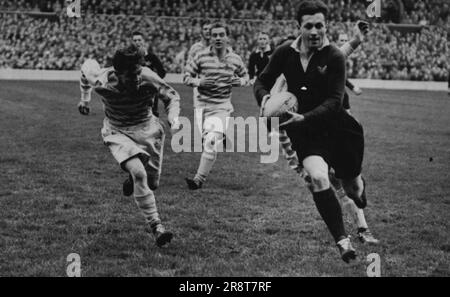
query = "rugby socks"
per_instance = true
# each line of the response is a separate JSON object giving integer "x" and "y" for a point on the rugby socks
{"x": 330, "y": 211}
{"x": 356, "y": 213}
{"x": 208, "y": 158}
{"x": 85, "y": 89}
{"x": 147, "y": 205}
{"x": 348, "y": 205}
{"x": 289, "y": 153}
{"x": 207, "y": 161}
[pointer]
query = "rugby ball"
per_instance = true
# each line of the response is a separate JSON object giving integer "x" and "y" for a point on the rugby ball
{"x": 91, "y": 70}
{"x": 279, "y": 104}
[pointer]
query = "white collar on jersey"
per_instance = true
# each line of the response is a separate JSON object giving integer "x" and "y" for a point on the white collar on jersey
{"x": 297, "y": 42}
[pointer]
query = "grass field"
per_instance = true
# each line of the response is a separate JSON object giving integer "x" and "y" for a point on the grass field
{"x": 60, "y": 193}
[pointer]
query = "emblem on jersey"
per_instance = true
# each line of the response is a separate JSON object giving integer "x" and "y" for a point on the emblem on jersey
{"x": 322, "y": 70}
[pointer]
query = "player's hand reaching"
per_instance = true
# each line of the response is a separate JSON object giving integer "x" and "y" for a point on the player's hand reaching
{"x": 295, "y": 118}
{"x": 361, "y": 30}
{"x": 263, "y": 103}
{"x": 357, "y": 91}
{"x": 236, "y": 82}
{"x": 175, "y": 126}
{"x": 83, "y": 108}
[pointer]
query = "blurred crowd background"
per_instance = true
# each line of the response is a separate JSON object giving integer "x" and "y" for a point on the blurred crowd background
{"x": 32, "y": 40}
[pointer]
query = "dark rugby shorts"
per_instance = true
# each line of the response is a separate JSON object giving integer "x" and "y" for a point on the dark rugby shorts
{"x": 341, "y": 146}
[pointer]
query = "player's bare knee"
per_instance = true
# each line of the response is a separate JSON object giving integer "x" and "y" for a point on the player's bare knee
{"x": 319, "y": 181}
{"x": 139, "y": 175}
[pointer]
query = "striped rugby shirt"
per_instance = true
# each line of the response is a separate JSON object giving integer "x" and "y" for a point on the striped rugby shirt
{"x": 207, "y": 64}
{"x": 125, "y": 109}
{"x": 196, "y": 48}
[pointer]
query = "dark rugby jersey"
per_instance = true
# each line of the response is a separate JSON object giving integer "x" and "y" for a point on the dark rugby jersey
{"x": 258, "y": 61}
{"x": 320, "y": 90}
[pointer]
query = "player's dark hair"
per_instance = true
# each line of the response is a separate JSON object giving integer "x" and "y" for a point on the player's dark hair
{"x": 220, "y": 25}
{"x": 127, "y": 58}
{"x": 205, "y": 22}
{"x": 310, "y": 7}
{"x": 264, "y": 33}
{"x": 136, "y": 33}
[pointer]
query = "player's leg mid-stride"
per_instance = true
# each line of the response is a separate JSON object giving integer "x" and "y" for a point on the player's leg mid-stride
{"x": 218, "y": 132}
{"x": 132, "y": 133}
{"x": 145, "y": 200}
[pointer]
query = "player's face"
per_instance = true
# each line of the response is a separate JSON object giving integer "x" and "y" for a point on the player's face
{"x": 263, "y": 40}
{"x": 130, "y": 78}
{"x": 313, "y": 30}
{"x": 219, "y": 38}
{"x": 343, "y": 38}
{"x": 206, "y": 32}
{"x": 138, "y": 40}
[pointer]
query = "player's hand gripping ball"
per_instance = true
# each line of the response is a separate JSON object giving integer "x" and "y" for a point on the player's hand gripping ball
{"x": 278, "y": 105}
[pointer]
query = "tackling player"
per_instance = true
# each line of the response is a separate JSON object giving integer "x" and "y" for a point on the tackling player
{"x": 322, "y": 133}
{"x": 133, "y": 135}
{"x": 214, "y": 71}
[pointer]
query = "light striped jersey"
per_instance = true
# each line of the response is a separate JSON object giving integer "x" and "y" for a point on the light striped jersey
{"x": 207, "y": 64}
{"x": 195, "y": 49}
{"x": 124, "y": 108}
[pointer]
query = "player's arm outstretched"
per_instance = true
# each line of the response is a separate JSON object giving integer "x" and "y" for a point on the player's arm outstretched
{"x": 86, "y": 90}
{"x": 360, "y": 30}
{"x": 91, "y": 75}
{"x": 169, "y": 96}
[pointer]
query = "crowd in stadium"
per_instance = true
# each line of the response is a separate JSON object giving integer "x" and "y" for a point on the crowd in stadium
{"x": 424, "y": 12}
{"x": 63, "y": 43}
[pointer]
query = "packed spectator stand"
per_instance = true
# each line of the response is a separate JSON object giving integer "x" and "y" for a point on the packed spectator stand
{"x": 37, "y": 34}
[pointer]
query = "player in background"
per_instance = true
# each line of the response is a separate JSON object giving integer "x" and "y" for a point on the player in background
{"x": 260, "y": 57}
{"x": 214, "y": 71}
{"x": 203, "y": 43}
{"x": 132, "y": 133}
{"x": 198, "y": 47}
{"x": 151, "y": 61}
{"x": 363, "y": 232}
{"x": 343, "y": 39}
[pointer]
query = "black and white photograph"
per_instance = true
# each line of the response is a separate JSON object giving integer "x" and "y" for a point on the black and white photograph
{"x": 240, "y": 140}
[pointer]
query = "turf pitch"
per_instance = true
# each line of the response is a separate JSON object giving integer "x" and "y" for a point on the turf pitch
{"x": 60, "y": 193}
